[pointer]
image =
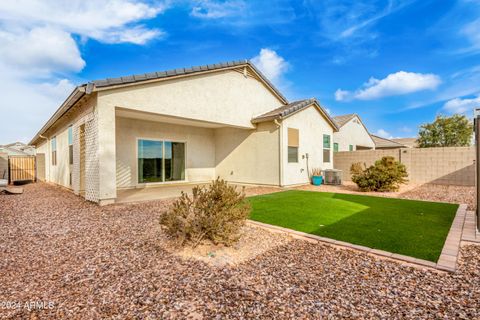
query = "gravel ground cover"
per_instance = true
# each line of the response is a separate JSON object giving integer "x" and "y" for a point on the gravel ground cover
{"x": 107, "y": 262}
{"x": 432, "y": 192}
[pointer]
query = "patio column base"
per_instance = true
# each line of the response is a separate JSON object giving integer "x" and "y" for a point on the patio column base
{"x": 104, "y": 202}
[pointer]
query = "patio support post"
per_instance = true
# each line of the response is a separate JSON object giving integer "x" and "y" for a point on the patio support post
{"x": 477, "y": 162}
{"x": 106, "y": 154}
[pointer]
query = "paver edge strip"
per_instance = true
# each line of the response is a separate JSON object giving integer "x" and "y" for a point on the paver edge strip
{"x": 454, "y": 238}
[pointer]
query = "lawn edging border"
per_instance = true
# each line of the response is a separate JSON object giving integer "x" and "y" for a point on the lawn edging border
{"x": 446, "y": 262}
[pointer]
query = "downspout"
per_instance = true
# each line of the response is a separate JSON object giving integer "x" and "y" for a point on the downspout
{"x": 280, "y": 151}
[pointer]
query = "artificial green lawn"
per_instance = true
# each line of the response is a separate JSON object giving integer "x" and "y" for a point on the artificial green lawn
{"x": 413, "y": 228}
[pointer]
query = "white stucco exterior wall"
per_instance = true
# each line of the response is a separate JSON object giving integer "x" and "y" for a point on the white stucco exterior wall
{"x": 312, "y": 126}
{"x": 60, "y": 173}
{"x": 353, "y": 133}
{"x": 44, "y": 148}
{"x": 248, "y": 156}
{"x": 199, "y": 143}
{"x": 226, "y": 97}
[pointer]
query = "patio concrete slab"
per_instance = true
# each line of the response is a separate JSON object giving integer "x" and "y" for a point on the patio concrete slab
{"x": 154, "y": 192}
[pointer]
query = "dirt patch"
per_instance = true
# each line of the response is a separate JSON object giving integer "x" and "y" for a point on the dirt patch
{"x": 253, "y": 242}
{"x": 255, "y": 191}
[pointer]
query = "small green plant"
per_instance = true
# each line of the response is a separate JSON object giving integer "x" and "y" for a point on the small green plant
{"x": 216, "y": 213}
{"x": 385, "y": 175}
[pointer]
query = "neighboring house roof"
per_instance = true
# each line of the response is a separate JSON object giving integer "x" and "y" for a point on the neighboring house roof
{"x": 343, "y": 119}
{"x": 18, "y": 143}
{"x": 12, "y": 151}
{"x": 385, "y": 143}
{"x": 407, "y": 142}
{"x": 291, "y": 108}
{"x": 17, "y": 148}
{"x": 108, "y": 83}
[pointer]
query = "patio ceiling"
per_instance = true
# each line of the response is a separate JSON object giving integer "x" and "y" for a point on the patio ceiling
{"x": 148, "y": 116}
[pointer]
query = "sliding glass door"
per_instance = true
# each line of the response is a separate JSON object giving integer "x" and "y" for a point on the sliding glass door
{"x": 160, "y": 161}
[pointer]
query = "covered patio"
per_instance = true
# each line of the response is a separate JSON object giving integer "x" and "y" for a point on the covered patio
{"x": 169, "y": 191}
{"x": 155, "y": 192}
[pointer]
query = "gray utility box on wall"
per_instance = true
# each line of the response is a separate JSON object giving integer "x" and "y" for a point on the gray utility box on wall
{"x": 333, "y": 176}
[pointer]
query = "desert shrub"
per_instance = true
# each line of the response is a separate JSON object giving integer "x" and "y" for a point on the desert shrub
{"x": 216, "y": 212}
{"x": 385, "y": 175}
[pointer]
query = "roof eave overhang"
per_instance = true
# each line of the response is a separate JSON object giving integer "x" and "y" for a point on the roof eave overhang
{"x": 75, "y": 96}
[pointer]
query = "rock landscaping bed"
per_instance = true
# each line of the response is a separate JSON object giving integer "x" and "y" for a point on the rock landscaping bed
{"x": 94, "y": 262}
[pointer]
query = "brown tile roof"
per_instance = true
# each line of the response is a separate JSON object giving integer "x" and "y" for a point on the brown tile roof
{"x": 385, "y": 143}
{"x": 408, "y": 142}
{"x": 343, "y": 119}
{"x": 288, "y": 109}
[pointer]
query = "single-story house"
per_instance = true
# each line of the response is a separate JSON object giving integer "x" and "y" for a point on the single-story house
{"x": 187, "y": 125}
{"x": 384, "y": 143}
{"x": 352, "y": 134}
{"x": 17, "y": 149}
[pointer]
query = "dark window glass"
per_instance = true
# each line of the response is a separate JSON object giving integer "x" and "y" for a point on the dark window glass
{"x": 150, "y": 158}
{"x": 326, "y": 141}
{"x": 292, "y": 154}
{"x": 70, "y": 154}
{"x": 174, "y": 161}
{"x": 326, "y": 155}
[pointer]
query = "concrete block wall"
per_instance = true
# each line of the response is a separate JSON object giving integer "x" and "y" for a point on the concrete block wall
{"x": 448, "y": 166}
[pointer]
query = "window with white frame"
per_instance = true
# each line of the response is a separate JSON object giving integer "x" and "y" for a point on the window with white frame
{"x": 293, "y": 144}
{"x": 70, "y": 145}
{"x": 53, "y": 142}
{"x": 326, "y": 148}
{"x": 160, "y": 161}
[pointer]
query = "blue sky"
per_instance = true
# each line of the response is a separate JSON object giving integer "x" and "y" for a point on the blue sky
{"x": 396, "y": 63}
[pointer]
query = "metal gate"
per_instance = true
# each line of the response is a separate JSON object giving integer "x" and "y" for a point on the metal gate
{"x": 21, "y": 168}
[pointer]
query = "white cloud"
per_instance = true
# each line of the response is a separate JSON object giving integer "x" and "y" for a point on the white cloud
{"x": 459, "y": 105}
{"x": 341, "y": 95}
{"x": 38, "y": 51}
{"x": 384, "y": 134}
{"x": 340, "y": 21}
{"x": 88, "y": 18}
{"x": 398, "y": 83}
{"x": 207, "y": 9}
{"x": 237, "y": 15}
{"x": 26, "y": 105}
{"x": 136, "y": 35}
{"x": 471, "y": 31}
{"x": 270, "y": 64}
